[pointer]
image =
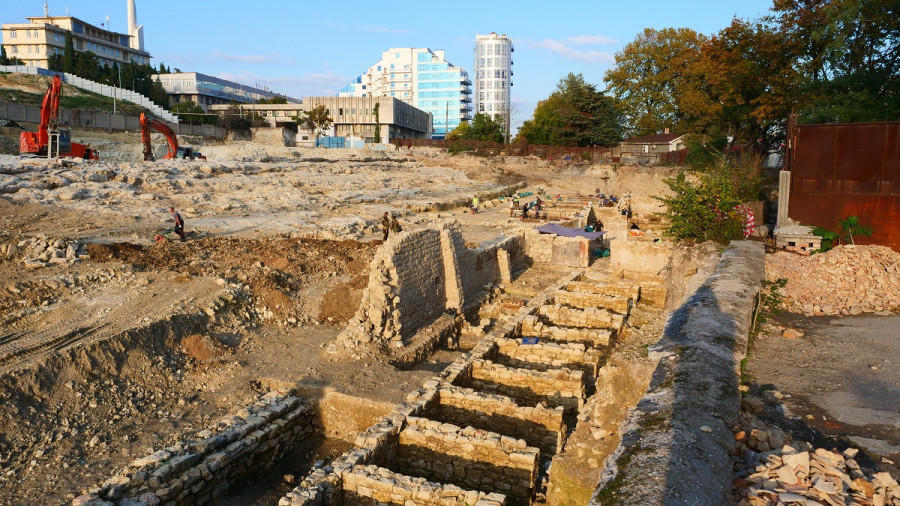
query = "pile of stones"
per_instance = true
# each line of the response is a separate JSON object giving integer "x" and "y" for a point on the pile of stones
{"x": 845, "y": 280}
{"x": 40, "y": 251}
{"x": 801, "y": 474}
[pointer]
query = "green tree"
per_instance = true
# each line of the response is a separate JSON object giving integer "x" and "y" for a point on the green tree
{"x": 657, "y": 83}
{"x": 68, "y": 62}
{"x": 316, "y": 120}
{"x": 55, "y": 62}
{"x": 87, "y": 66}
{"x": 272, "y": 100}
{"x": 377, "y": 123}
{"x": 848, "y": 55}
{"x": 482, "y": 128}
{"x": 3, "y": 59}
{"x": 190, "y": 112}
{"x": 702, "y": 209}
{"x": 575, "y": 114}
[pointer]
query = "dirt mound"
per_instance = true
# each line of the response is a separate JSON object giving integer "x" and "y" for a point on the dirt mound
{"x": 340, "y": 302}
{"x": 845, "y": 280}
{"x": 276, "y": 270}
{"x": 202, "y": 348}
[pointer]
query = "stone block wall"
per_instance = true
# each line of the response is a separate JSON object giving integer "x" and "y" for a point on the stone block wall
{"x": 539, "y": 426}
{"x": 468, "y": 457}
{"x": 533, "y": 327}
{"x": 416, "y": 276}
{"x": 550, "y": 354}
{"x": 550, "y": 248}
{"x": 199, "y": 470}
{"x": 584, "y": 300}
{"x": 372, "y": 485}
{"x": 556, "y": 387}
{"x": 625, "y": 289}
{"x": 589, "y": 317}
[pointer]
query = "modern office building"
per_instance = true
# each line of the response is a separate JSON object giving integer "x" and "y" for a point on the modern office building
{"x": 42, "y": 37}
{"x": 352, "y": 117}
{"x": 208, "y": 90}
{"x": 493, "y": 76}
{"x": 422, "y": 78}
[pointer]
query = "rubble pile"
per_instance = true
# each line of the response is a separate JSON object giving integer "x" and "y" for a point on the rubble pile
{"x": 801, "y": 474}
{"x": 845, "y": 280}
{"x": 40, "y": 252}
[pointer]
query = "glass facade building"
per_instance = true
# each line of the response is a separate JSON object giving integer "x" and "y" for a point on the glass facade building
{"x": 422, "y": 78}
{"x": 493, "y": 76}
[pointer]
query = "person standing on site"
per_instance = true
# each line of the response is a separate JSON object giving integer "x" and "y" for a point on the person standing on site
{"x": 385, "y": 225}
{"x": 512, "y": 208}
{"x": 179, "y": 223}
{"x": 395, "y": 225}
{"x": 474, "y": 204}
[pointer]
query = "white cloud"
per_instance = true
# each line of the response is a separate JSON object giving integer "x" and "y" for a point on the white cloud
{"x": 308, "y": 85}
{"x": 571, "y": 53}
{"x": 591, "y": 40}
{"x": 250, "y": 58}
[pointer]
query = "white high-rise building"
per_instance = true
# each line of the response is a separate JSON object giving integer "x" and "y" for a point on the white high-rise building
{"x": 493, "y": 76}
{"x": 422, "y": 78}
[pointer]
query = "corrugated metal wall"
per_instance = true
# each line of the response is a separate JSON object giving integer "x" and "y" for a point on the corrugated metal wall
{"x": 847, "y": 169}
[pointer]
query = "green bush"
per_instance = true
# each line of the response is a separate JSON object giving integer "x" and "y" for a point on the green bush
{"x": 703, "y": 210}
{"x": 847, "y": 228}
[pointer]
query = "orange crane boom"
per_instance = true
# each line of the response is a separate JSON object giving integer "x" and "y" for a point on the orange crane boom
{"x": 174, "y": 151}
{"x": 37, "y": 142}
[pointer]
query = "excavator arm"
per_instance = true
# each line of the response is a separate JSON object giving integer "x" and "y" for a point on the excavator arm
{"x": 37, "y": 142}
{"x": 159, "y": 126}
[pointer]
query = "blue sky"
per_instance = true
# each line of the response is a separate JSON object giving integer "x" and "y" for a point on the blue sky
{"x": 304, "y": 48}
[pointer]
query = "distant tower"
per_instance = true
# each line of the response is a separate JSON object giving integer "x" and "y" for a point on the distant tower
{"x": 46, "y": 10}
{"x": 135, "y": 32}
{"x": 493, "y": 77}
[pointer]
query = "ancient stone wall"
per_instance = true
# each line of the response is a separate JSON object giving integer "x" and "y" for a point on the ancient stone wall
{"x": 539, "y": 426}
{"x": 372, "y": 485}
{"x": 550, "y": 248}
{"x": 468, "y": 457}
{"x": 199, "y": 470}
{"x": 515, "y": 352}
{"x": 584, "y": 300}
{"x": 556, "y": 388}
{"x": 533, "y": 327}
{"x": 590, "y": 317}
{"x": 417, "y": 276}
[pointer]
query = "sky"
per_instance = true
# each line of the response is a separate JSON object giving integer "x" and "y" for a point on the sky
{"x": 302, "y": 48}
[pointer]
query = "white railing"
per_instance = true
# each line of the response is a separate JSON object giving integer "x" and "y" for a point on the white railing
{"x": 95, "y": 87}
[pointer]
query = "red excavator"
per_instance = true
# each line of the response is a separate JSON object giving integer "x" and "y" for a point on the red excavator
{"x": 49, "y": 140}
{"x": 175, "y": 151}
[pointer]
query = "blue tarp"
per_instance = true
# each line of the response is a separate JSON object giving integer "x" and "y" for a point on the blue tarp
{"x": 330, "y": 142}
{"x": 553, "y": 228}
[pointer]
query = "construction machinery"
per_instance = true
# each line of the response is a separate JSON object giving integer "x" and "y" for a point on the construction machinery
{"x": 50, "y": 140}
{"x": 174, "y": 150}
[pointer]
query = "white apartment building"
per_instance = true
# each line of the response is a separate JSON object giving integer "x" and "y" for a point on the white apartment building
{"x": 493, "y": 76}
{"x": 422, "y": 78}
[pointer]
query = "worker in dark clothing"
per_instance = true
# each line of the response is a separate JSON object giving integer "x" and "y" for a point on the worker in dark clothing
{"x": 395, "y": 225}
{"x": 385, "y": 225}
{"x": 179, "y": 223}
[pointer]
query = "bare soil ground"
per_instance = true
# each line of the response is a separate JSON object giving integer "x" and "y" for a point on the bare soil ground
{"x": 841, "y": 380}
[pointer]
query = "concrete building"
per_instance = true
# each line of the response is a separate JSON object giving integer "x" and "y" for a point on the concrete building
{"x": 45, "y": 36}
{"x": 353, "y": 117}
{"x": 208, "y": 90}
{"x": 493, "y": 76}
{"x": 422, "y": 78}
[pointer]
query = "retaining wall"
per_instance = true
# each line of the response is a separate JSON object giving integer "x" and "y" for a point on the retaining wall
{"x": 372, "y": 486}
{"x": 676, "y": 441}
{"x": 199, "y": 470}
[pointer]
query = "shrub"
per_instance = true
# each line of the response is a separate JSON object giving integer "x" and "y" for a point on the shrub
{"x": 703, "y": 210}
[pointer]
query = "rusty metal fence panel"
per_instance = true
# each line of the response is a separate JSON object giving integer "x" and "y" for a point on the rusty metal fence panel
{"x": 847, "y": 169}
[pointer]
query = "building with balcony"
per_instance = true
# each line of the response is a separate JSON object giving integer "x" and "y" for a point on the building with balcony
{"x": 422, "y": 78}
{"x": 493, "y": 76}
{"x": 43, "y": 37}
{"x": 208, "y": 90}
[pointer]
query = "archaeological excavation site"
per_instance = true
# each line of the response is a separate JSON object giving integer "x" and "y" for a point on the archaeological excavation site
{"x": 286, "y": 353}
